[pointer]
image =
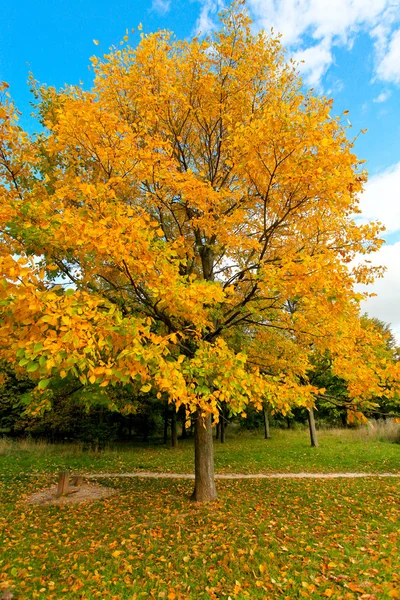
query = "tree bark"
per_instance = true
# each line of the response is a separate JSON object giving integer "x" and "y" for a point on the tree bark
{"x": 184, "y": 430}
{"x": 267, "y": 434}
{"x": 223, "y": 424}
{"x": 166, "y": 423}
{"x": 204, "y": 484}
{"x": 313, "y": 429}
{"x": 174, "y": 429}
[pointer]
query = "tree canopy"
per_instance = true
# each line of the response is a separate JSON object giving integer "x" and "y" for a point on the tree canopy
{"x": 186, "y": 225}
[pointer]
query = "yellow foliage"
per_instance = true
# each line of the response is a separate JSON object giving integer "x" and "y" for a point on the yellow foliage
{"x": 195, "y": 210}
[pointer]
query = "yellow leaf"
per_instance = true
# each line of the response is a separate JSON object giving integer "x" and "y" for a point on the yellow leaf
{"x": 356, "y": 588}
{"x": 96, "y": 42}
{"x": 116, "y": 553}
{"x": 146, "y": 387}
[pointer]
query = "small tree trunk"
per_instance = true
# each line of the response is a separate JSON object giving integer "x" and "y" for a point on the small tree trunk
{"x": 313, "y": 429}
{"x": 222, "y": 421}
{"x": 267, "y": 434}
{"x": 174, "y": 429}
{"x": 204, "y": 484}
{"x": 217, "y": 430}
{"x": 184, "y": 431}
{"x": 166, "y": 424}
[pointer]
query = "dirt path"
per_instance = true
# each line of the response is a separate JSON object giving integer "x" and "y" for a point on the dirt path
{"x": 149, "y": 475}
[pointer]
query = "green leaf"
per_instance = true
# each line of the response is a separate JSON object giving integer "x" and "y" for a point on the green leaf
{"x": 43, "y": 383}
{"x": 37, "y": 347}
{"x": 33, "y": 366}
{"x": 23, "y": 362}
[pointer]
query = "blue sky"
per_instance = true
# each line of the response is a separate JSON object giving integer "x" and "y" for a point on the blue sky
{"x": 351, "y": 50}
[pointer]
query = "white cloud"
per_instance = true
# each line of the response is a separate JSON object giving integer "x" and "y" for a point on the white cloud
{"x": 381, "y": 199}
{"x": 389, "y": 67}
{"x": 381, "y": 202}
{"x": 382, "y": 97}
{"x": 329, "y": 23}
{"x": 316, "y": 62}
{"x": 161, "y": 6}
{"x": 206, "y": 20}
{"x": 321, "y": 19}
{"x": 386, "y": 304}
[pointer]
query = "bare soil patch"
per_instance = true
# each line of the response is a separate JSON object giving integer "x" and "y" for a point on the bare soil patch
{"x": 85, "y": 493}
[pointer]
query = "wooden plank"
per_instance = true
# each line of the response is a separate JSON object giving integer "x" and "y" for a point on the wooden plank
{"x": 63, "y": 481}
{"x": 77, "y": 480}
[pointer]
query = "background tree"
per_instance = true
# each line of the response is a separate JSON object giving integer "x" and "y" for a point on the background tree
{"x": 193, "y": 192}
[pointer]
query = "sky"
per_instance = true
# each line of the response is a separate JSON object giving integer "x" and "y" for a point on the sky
{"x": 348, "y": 50}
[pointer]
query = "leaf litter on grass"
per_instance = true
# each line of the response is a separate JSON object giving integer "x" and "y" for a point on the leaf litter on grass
{"x": 261, "y": 539}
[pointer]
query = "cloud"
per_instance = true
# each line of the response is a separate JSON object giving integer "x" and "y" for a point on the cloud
{"x": 206, "y": 20}
{"x": 316, "y": 62}
{"x": 340, "y": 19}
{"x": 389, "y": 67}
{"x": 313, "y": 28}
{"x": 381, "y": 199}
{"x": 386, "y": 304}
{"x": 382, "y": 97}
{"x": 162, "y": 7}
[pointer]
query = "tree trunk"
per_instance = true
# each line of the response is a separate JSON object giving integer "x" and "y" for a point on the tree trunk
{"x": 166, "y": 424}
{"x": 184, "y": 430}
{"x": 267, "y": 434}
{"x": 204, "y": 484}
{"x": 313, "y": 429}
{"x": 222, "y": 421}
{"x": 174, "y": 429}
{"x": 217, "y": 428}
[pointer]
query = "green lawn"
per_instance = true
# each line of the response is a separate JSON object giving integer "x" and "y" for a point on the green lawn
{"x": 287, "y": 451}
{"x": 262, "y": 539}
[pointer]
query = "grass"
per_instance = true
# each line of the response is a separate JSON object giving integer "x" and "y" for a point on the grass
{"x": 262, "y": 539}
{"x": 287, "y": 451}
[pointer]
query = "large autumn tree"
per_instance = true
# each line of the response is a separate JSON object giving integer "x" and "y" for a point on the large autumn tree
{"x": 177, "y": 208}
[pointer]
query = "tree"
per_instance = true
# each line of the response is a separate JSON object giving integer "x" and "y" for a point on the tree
{"x": 183, "y": 201}
{"x": 376, "y": 356}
